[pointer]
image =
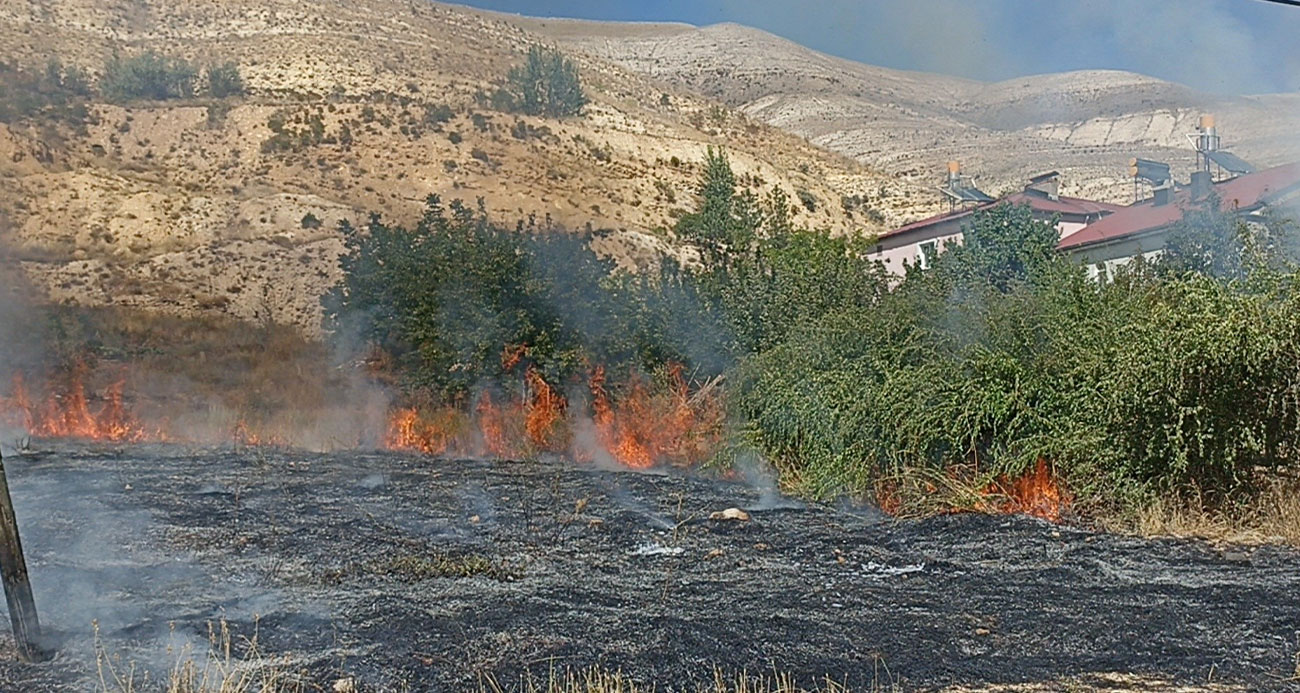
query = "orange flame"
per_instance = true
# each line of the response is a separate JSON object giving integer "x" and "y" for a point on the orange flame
{"x": 646, "y": 422}
{"x": 641, "y": 428}
{"x": 243, "y": 434}
{"x": 1035, "y": 493}
{"x": 431, "y": 435}
{"x": 545, "y": 413}
{"x": 67, "y": 412}
{"x": 644, "y": 429}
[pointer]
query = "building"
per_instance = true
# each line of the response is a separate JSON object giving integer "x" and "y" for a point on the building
{"x": 1141, "y": 229}
{"x": 1100, "y": 235}
{"x": 920, "y": 242}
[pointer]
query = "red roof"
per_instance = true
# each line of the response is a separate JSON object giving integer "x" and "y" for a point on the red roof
{"x": 1243, "y": 192}
{"x": 1063, "y": 205}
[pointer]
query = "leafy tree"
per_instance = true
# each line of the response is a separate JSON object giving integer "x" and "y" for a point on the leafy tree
{"x": 764, "y": 276}
{"x": 148, "y": 76}
{"x": 446, "y": 297}
{"x": 1002, "y": 246}
{"x": 547, "y": 84}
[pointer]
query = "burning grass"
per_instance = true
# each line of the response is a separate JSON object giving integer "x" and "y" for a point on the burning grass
{"x": 65, "y": 411}
{"x": 649, "y": 422}
{"x": 1038, "y": 492}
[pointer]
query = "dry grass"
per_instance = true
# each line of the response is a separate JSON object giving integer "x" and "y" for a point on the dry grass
{"x": 1272, "y": 517}
{"x": 597, "y": 680}
{"x": 230, "y": 665}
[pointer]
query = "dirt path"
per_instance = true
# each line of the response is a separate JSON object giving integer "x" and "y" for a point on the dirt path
{"x": 351, "y": 563}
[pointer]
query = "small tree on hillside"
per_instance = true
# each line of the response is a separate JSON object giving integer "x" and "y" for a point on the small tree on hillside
{"x": 546, "y": 84}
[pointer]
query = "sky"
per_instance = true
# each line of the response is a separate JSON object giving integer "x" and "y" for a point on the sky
{"x": 1218, "y": 46}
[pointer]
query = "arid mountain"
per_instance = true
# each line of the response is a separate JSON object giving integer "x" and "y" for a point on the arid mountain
{"x": 194, "y": 205}
{"x": 1084, "y": 124}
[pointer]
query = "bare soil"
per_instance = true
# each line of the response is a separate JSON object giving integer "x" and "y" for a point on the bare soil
{"x": 411, "y": 573}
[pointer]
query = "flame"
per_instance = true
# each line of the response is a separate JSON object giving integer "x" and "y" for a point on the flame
{"x": 545, "y": 413}
{"x": 492, "y": 424}
{"x": 1035, "y": 493}
{"x": 641, "y": 423}
{"x": 642, "y": 427}
{"x": 243, "y": 434}
{"x": 66, "y": 412}
{"x": 434, "y": 434}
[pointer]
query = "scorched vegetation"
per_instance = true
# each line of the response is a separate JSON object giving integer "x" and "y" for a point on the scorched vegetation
{"x": 1001, "y": 379}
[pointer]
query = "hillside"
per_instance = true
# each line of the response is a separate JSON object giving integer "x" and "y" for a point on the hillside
{"x": 194, "y": 205}
{"x": 1085, "y": 124}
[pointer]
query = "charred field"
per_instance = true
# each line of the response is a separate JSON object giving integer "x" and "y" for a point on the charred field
{"x": 410, "y": 573}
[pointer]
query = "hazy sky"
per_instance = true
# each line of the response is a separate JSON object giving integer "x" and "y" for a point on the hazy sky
{"x": 1223, "y": 46}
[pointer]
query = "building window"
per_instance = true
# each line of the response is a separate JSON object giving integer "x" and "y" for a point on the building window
{"x": 926, "y": 253}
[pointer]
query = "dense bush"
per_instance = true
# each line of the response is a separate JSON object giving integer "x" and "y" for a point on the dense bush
{"x": 148, "y": 76}
{"x": 1160, "y": 382}
{"x": 447, "y": 297}
{"x": 57, "y": 92}
{"x": 547, "y": 84}
{"x": 224, "y": 80}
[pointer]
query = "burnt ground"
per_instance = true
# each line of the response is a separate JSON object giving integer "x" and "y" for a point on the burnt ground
{"x": 350, "y": 563}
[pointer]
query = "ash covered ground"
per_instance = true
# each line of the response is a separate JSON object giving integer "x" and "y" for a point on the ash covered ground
{"x": 352, "y": 563}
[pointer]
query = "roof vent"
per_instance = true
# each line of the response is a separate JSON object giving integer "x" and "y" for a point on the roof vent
{"x": 1046, "y": 185}
{"x": 1163, "y": 195}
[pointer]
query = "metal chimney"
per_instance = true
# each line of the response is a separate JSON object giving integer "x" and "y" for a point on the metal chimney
{"x": 954, "y": 174}
{"x": 1207, "y": 142}
{"x": 1201, "y": 184}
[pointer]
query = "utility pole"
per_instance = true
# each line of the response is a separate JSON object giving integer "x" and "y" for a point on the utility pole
{"x": 13, "y": 570}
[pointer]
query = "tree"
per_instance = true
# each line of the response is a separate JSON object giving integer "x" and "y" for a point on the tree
{"x": 724, "y": 222}
{"x": 547, "y": 84}
{"x": 763, "y": 276}
{"x": 1002, "y": 246}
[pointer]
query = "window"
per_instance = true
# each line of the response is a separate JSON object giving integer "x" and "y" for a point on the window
{"x": 926, "y": 253}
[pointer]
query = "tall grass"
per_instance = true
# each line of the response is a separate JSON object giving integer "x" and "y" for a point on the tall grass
{"x": 227, "y": 665}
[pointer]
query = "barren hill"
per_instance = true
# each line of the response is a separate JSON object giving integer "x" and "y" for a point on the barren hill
{"x": 1085, "y": 124}
{"x": 193, "y": 204}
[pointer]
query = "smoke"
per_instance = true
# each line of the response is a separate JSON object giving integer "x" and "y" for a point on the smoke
{"x": 1220, "y": 46}
{"x": 103, "y": 577}
{"x": 764, "y": 480}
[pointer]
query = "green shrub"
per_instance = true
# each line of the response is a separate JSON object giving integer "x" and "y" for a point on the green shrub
{"x": 148, "y": 76}
{"x": 224, "y": 80}
{"x": 58, "y": 92}
{"x": 438, "y": 114}
{"x": 547, "y": 84}
{"x": 1005, "y": 353}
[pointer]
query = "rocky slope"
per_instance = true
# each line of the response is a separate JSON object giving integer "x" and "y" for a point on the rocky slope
{"x": 183, "y": 206}
{"x": 1085, "y": 124}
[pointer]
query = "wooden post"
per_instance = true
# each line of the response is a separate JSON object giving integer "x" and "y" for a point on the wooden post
{"x": 18, "y": 589}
